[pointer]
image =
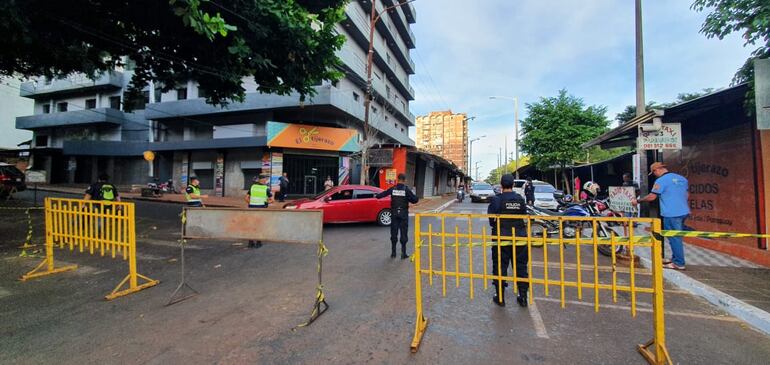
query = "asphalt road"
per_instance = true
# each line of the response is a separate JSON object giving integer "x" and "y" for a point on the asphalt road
{"x": 251, "y": 300}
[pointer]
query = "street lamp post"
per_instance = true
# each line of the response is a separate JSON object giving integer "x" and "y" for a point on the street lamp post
{"x": 515, "y": 127}
{"x": 470, "y": 152}
{"x": 467, "y": 136}
{"x": 477, "y": 170}
{"x": 375, "y": 16}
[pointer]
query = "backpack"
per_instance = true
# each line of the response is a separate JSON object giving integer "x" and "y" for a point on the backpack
{"x": 107, "y": 192}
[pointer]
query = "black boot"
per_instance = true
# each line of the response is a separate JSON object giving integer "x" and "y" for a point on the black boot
{"x": 403, "y": 251}
{"x": 522, "y": 299}
{"x": 500, "y": 301}
{"x": 393, "y": 250}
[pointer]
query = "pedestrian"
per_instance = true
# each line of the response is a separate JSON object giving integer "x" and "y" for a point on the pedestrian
{"x": 102, "y": 190}
{"x": 328, "y": 184}
{"x": 400, "y": 197}
{"x": 283, "y": 183}
{"x": 672, "y": 190}
{"x": 193, "y": 193}
{"x": 628, "y": 181}
{"x": 509, "y": 202}
{"x": 258, "y": 197}
{"x": 529, "y": 192}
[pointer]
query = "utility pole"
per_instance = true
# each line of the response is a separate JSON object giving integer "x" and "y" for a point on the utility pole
{"x": 505, "y": 169}
{"x": 477, "y": 170}
{"x": 373, "y": 18}
{"x": 515, "y": 127}
{"x": 640, "y": 105}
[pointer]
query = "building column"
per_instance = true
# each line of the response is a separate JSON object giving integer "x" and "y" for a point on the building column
{"x": 764, "y": 158}
{"x": 111, "y": 168}
{"x": 95, "y": 168}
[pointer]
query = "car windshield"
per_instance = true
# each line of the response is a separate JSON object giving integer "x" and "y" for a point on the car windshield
{"x": 482, "y": 187}
{"x": 544, "y": 189}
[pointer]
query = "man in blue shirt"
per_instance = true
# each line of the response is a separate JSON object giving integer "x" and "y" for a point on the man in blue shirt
{"x": 672, "y": 190}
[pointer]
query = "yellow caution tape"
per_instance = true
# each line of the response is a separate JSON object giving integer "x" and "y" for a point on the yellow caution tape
{"x": 672, "y": 233}
{"x": 538, "y": 242}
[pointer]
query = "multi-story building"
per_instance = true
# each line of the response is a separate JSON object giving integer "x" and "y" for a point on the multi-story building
{"x": 445, "y": 134}
{"x": 81, "y": 129}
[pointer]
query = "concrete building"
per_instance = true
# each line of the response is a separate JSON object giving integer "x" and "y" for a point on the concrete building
{"x": 444, "y": 134}
{"x": 80, "y": 127}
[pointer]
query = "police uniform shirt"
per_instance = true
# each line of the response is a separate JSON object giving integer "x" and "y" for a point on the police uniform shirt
{"x": 508, "y": 203}
{"x": 400, "y": 197}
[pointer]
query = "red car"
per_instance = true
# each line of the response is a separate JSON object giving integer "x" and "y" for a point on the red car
{"x": 348, "y": 203}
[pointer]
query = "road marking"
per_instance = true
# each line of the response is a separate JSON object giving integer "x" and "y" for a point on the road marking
{"x": 538, "y": 321}
{"x": 646, "y": 310}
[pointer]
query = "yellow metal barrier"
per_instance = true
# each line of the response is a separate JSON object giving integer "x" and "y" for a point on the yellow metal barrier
{"x": 590, "y": 232}
{"x": 95, "y": 227}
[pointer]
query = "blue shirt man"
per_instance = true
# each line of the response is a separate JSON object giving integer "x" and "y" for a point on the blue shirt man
{"x": 672, "y": 190}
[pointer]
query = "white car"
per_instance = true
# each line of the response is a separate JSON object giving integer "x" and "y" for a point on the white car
{"x": 544, "y": 197}
{"x": 481, "y": 192}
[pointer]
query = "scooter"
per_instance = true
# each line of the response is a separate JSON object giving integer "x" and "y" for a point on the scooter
{"x": 587, "y": 209}
{"x": 460, "y": 195}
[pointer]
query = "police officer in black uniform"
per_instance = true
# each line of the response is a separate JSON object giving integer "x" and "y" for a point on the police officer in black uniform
{"x": 400, "y": 197}
{"x": 509, "y": 202}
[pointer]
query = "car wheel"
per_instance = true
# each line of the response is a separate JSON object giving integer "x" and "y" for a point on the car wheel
{"x": 384, "y": 218}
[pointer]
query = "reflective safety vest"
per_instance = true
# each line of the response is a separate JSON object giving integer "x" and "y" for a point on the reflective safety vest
{"x": 107, "y": 192}
{"x": 196, "y": 191}
{"x": 258, "y": 194}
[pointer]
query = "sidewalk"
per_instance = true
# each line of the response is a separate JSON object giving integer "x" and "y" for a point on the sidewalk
{"x": 424, "y": 205}
{"x": 739, "y": 287}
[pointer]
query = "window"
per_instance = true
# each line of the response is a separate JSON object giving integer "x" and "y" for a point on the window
{"x": 374, "y": 109}
{"x": 41, "y": 141}
{"x": 248, "y": 177}
{"x": 115, "y": 102}
{"x": 403, "y": 106}
{"x": 387, "y": 55}
{"x": 363, "y": 194}
{"x": 387, "y": 91}
{"x": 62, "y": 107}
{"x": 181, "y": 93}
{"x": 202, "y": 93}
{"x": 46, "y": 108}
{"x": 137, "y": 103}
{"x": 90, "y": 103}
{"x": 342, "y": 195}
{"x": 157, "y": 93}
{"x": 355, "y": 96}
{"x": 402, "y": 129}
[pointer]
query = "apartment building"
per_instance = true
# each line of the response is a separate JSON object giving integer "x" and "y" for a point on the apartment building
{"x": 445, "y": 134}
{"x": 81, "y": 129}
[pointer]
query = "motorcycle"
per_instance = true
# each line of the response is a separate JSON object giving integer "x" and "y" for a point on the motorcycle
{"x": 158, "y": 189}
{"x": 589, "y": 208}
{"x": 460, "y": 195}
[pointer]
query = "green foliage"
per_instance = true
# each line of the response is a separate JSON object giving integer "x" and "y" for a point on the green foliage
{"x": 496, "y": 173}
{"x": 283, "y": 45}
{"x": 752, "y": 19}
{"x": 556, "y": 127}
{"x": 630, "y": 111}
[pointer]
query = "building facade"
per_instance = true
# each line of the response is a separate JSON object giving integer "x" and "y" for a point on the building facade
{"x": 81, "y": 129}
{"x": 444, "y": 134}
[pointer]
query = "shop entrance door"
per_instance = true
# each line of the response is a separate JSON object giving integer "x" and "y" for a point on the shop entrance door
{"x": 310, "y": 185}
{"x": 307, "y": 173}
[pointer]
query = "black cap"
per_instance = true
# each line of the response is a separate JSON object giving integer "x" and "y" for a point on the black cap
{"x": 506, "y": 181}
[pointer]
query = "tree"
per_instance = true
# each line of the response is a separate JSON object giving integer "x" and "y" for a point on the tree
{"x": 752, "y": 18}
{"x": 285, "y": 45}
{"x": 510, "y": 168}
{"x": 556, "y": 127}
{"x": 630, "y": 111}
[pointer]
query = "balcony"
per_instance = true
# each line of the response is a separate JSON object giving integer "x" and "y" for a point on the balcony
{"x": 254, "y": 101}
{"x": 106, "y": 116}
{"x": 398, "y": 17}
{"x": 357, "y": 21}
{"x": 75, "y": 84}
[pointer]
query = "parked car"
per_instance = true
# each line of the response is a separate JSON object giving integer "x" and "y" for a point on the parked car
{"x": 10, "y": 178}
{"x": 347, "y": 204}
{"x": 498, "y": 189}
{"x": 518, "y": 186}
{"x": 545, "y": 195}
{"x": 481, "y": 192}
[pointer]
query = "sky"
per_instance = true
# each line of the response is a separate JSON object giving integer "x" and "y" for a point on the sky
{"x": 11, "y": 106}
{"x": 468, "y": 51}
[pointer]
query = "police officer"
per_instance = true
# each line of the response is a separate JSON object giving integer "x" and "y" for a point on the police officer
{"x": 400, "y": 197}
{"x": 509, "y": 202}
{"x": 259, "y": 196}
{"x": 102, "y": 190}
{"x": 193, "y": 193}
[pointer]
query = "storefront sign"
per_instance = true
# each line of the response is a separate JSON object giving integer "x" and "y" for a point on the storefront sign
{"x": 343, "y": 177}
{"x": 380, "y": 157}
{"x": 35, "y": 176}
{"x": 276, "y": 170}
{"x": 219, "y": 175}
{"x": 620, "y": 198}
{"x": 311, "y": 137}
{"x": 669, "y": 137}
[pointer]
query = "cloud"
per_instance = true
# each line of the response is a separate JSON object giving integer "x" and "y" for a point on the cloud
{"x": 467, "y": 51}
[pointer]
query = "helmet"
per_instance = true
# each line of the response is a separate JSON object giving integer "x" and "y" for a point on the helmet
{"x": 592, "y": 187}
{"x": 567, "y": 198}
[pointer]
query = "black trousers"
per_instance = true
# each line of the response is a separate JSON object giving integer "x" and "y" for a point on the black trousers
{"x": 399, "y": 223}
{"x": 506, "y": 256}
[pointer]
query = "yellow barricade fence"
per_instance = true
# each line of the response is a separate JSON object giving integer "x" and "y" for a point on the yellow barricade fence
{"x": 592, "y": 235}
{"x": 96, "y": 227}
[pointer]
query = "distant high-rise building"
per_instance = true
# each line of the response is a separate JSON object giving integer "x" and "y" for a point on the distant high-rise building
{"x": 444, "y": 134}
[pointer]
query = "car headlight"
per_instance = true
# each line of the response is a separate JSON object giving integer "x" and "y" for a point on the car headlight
{"x": 289, "y": 207}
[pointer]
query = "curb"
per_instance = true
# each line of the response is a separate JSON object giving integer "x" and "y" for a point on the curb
{"x": 437, "y": 210}
{"x": 748, "y": 313}
{"x": 53, "y": 190}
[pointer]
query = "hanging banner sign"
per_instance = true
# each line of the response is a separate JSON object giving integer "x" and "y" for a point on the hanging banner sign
{"x": 669, "y": 137}
{"x": 620, "y": 198}
{"x": 312, "y": 137}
